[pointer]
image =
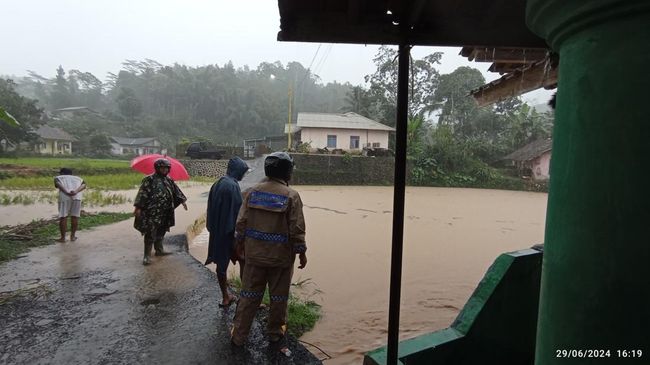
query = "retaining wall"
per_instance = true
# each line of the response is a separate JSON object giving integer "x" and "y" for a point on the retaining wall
{"x": 316, "y": 169}
{"x": 207, "y": 168}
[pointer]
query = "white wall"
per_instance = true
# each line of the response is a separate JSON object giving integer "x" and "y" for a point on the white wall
{"x": 318, "y": 137}
{"x": 541, "y": 166}
{"x": 116, "y": 149}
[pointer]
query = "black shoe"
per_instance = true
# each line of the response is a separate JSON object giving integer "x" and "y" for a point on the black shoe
{"x": 163, "y": 253}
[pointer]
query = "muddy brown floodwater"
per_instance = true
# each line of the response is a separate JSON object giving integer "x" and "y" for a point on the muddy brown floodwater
{"x": 451, "y": 237}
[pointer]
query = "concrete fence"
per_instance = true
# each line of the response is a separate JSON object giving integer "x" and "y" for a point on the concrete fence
{"x": 207, "y": 168}
{"x": 316, "y": 169}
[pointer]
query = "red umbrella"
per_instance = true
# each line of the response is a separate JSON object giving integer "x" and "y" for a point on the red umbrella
{"x": 144, "y": 164}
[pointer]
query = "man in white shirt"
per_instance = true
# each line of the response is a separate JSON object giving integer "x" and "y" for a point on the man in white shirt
{"x": 70, "y": 188}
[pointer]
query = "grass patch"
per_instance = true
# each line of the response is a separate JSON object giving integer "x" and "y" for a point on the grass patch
{"x": 15, "y": 240}
{"x": 36, "y": 173}
{"x": 57, "y": 163}
{"x": 302, "y": 312}
{"x": 102, "y": 182}
{"x": 125, "y": 181}
{"x": 91, "y": 198}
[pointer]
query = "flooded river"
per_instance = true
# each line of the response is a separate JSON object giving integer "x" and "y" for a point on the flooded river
{"x": 451, "y": 238}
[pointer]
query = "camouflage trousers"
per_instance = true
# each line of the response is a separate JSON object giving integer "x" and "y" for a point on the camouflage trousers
{"x": 254, "y": 282}
{"x": 153, "y": 238}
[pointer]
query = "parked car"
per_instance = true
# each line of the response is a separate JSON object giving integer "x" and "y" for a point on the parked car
{"x": 199, "y": 150}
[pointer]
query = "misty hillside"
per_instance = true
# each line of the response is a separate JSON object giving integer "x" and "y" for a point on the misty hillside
{"x": 146, "y": 99}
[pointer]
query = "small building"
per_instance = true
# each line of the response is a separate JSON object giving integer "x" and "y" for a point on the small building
{"x": 533, "y": 159}
{"x": 255, "y": 147}
{"x": 134, "y": 146}
{"x": 53, "y": 141}
{"x": 68, "y": 113}
{"x": 348, "y": 131}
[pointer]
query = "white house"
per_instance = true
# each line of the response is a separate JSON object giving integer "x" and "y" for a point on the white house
{"x": 53, "y": 141}
{"x": 347, "y": 131}
{"x": 134, "y": 146}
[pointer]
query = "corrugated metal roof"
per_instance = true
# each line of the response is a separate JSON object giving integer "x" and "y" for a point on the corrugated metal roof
{"x": 530, "y": 151}
{"x": 133, "y": 141}
{"x": 294, "y": 128}
{"x": 348, "y": 120}
{"x": 47, "y": 132}
{"x": 72, "y": 109}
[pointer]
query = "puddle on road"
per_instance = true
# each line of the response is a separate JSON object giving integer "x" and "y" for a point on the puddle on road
{"x": 451, "y": 237}
{"x": 150, "y": 301}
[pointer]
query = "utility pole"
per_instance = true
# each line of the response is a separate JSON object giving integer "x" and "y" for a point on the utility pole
{"x": 289, "y": 121}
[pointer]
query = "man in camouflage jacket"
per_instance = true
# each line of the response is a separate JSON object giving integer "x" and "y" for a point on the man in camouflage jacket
{"x": 154, "y": 208}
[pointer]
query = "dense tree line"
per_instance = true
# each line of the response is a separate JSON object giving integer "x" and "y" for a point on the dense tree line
{"x": 220, "y": 103}
{"x": 451, "y": 141}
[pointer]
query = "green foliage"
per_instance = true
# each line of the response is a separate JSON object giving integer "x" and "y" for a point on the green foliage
{"x": 526, "y": 125}
{"x": 38, "y": 174}
{"x": 221, "y": 103}
{"x": 381, "y": 99}
{"x": 14, "y": 108}
{"x": 78, "y": 165}
{"x": 302, "y": 316}
{"x": 99, "y": 145}
{"x": 224, "y": 104}
{"x": 449, "y": 160}
{"x": 91, "y": 198}
{"x": 15, "y": 240}
{"x": 302, "y": 313}
{"x": 101, "y": 182}
{"x": 457, "y": 107}
{"x": 8, "y": 118}
{"x": 304, "y": 147}
{"x": 347, "y": 158}
{"x": 128, "y": 103}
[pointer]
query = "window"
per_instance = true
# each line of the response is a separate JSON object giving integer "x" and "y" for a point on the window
{"x": 354, "y": 142}
{"x": 331, "y": 141}
{"x": 375, "y": 144}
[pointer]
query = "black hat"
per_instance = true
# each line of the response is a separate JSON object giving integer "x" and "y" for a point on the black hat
{"x": 278, "y": 165}
{"x": 162, "y": 162}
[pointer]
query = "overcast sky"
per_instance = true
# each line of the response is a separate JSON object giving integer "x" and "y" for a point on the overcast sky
{"x": 98, "y": 35}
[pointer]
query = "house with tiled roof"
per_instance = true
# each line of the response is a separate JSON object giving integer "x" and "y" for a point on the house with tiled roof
{"x": 533, "y": 159}
{"x": 345, "y": 131}
{"x": 53, "y": 141}
{"x": 134, "y": 146}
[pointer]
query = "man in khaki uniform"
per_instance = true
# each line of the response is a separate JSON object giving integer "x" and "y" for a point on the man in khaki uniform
{"x": 271, "y": 229}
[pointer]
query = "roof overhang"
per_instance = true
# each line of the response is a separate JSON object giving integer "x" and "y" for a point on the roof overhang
{"x": 489, "y": 31}
{"x": 430, "y": 23}
{"x": 543, "y": 73}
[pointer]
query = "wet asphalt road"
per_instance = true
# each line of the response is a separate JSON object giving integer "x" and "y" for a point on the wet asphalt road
{"x": 92, "y": 302}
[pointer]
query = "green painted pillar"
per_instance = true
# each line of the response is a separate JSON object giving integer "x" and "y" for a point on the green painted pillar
{"x": 596, "y": 271}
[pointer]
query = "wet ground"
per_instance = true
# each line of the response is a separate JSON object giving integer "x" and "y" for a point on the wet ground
{"x": 92, "y": 302}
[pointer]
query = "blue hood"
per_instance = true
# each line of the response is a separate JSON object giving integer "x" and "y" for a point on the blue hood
{"x": 237, "y": 168}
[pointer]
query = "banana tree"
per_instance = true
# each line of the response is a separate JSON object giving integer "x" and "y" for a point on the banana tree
{"x": 8, "y": 118}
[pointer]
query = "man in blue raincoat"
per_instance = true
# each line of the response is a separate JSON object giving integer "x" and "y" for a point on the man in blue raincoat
{"x": 223, "y": 206}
